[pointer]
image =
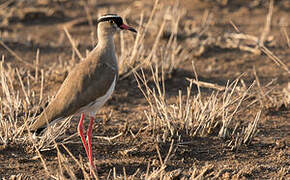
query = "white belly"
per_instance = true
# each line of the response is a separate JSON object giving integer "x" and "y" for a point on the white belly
{"x": 91, "y": 108}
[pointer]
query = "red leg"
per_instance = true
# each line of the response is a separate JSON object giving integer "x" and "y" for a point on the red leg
{"x": 89, "y": 134}
{"x": 81, "y": 133}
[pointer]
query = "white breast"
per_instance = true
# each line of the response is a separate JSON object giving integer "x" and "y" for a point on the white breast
{"x": 98, "y": 103}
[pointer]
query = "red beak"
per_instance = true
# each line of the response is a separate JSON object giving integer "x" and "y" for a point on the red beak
{"x": 124, "y": 26}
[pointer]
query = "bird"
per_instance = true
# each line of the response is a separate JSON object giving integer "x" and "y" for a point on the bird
{"x": 89, "y": 84}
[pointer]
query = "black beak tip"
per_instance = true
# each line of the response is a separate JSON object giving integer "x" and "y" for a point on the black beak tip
{"x": 133, "y": 30}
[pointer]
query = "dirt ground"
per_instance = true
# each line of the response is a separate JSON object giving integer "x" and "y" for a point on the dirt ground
{"x": 37, "y": 25}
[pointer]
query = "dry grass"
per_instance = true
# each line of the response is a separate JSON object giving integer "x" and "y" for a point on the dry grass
{"x": 168, "y": 54}
{"x": 20, "y": 107}
{"x": 195, "y": 115}
{"x": 14, "y": 109}
{"x": 152, "y": 59}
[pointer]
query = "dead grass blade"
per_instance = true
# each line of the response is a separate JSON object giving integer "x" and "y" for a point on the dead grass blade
{"x": 274, "y": 58}
{"x": 251, "y": 130}
{"x": 206, "y": 84}
{"x": 50, "y": 135}
{"x": 16, "y": 56}
{"x": 72, "y": 43}
{"x": 260, "y": 42}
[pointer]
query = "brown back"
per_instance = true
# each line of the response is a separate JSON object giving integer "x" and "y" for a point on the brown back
{"x": 88, "y": 81}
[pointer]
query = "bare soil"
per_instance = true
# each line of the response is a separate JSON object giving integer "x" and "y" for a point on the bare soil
{"x": 267, "y": 157}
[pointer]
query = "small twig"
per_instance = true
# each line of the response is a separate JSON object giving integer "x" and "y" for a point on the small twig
{"x": 60, "y": 159}
{"x": 262, "y": 94}
{"x": 204, "y": 22}
{"x": 78, "y": 163}
{"x": 235, "y": 27}
{"x": 114, "y": 173}
{"x": 23, "y": 87}
{"x": 159, "y": 155}
{"x": 274, "y": 58}
{"x": 265, "y": 50}
{"x": 266, "y": 93}
{"x": 41, "y": 87}
{"x": 72, "y": 43}
{"x": 153, "y": 50}
{"x": 251, "y": 130}
{"x": 124, "y": 172}
{"x": 109, "y": 138}
{"x": 204, "y": 18}
{"x": 147, "y": 170}
{"x": 204, "y": 171}
{"x": 36, "y": 148}
{"x": 196, "y": 78}
{"x": 15, "y": 55}
{"x": 90, "y": 21}
{"x": 242, "y": 36}
{"x": 286, "y": 36}
{"x": 169, "y": 152}
{"x": 36, "y": 64}
{"x": 206, "y": 84}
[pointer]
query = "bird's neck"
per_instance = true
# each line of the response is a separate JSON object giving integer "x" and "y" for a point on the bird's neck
{"x": 106, "y": 41}
{"x": 107, "y": 47}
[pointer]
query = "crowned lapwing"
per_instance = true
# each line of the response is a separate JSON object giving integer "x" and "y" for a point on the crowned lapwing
{"x": 89, "y": 85}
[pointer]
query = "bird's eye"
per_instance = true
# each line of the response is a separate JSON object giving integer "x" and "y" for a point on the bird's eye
{"x": 111, "y": 21}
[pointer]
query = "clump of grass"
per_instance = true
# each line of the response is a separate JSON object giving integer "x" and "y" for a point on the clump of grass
{"x": 170, "y": 52}
{"x": 19, "y": 104}
{"x": 195, "y": 115}
{"x": 14, "y": 109}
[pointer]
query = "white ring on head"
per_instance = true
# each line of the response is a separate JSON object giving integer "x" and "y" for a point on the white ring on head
{"x": 109, "y": 16}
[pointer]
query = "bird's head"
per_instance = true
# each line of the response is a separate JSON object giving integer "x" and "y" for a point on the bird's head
{"x": 111, "y": 23}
